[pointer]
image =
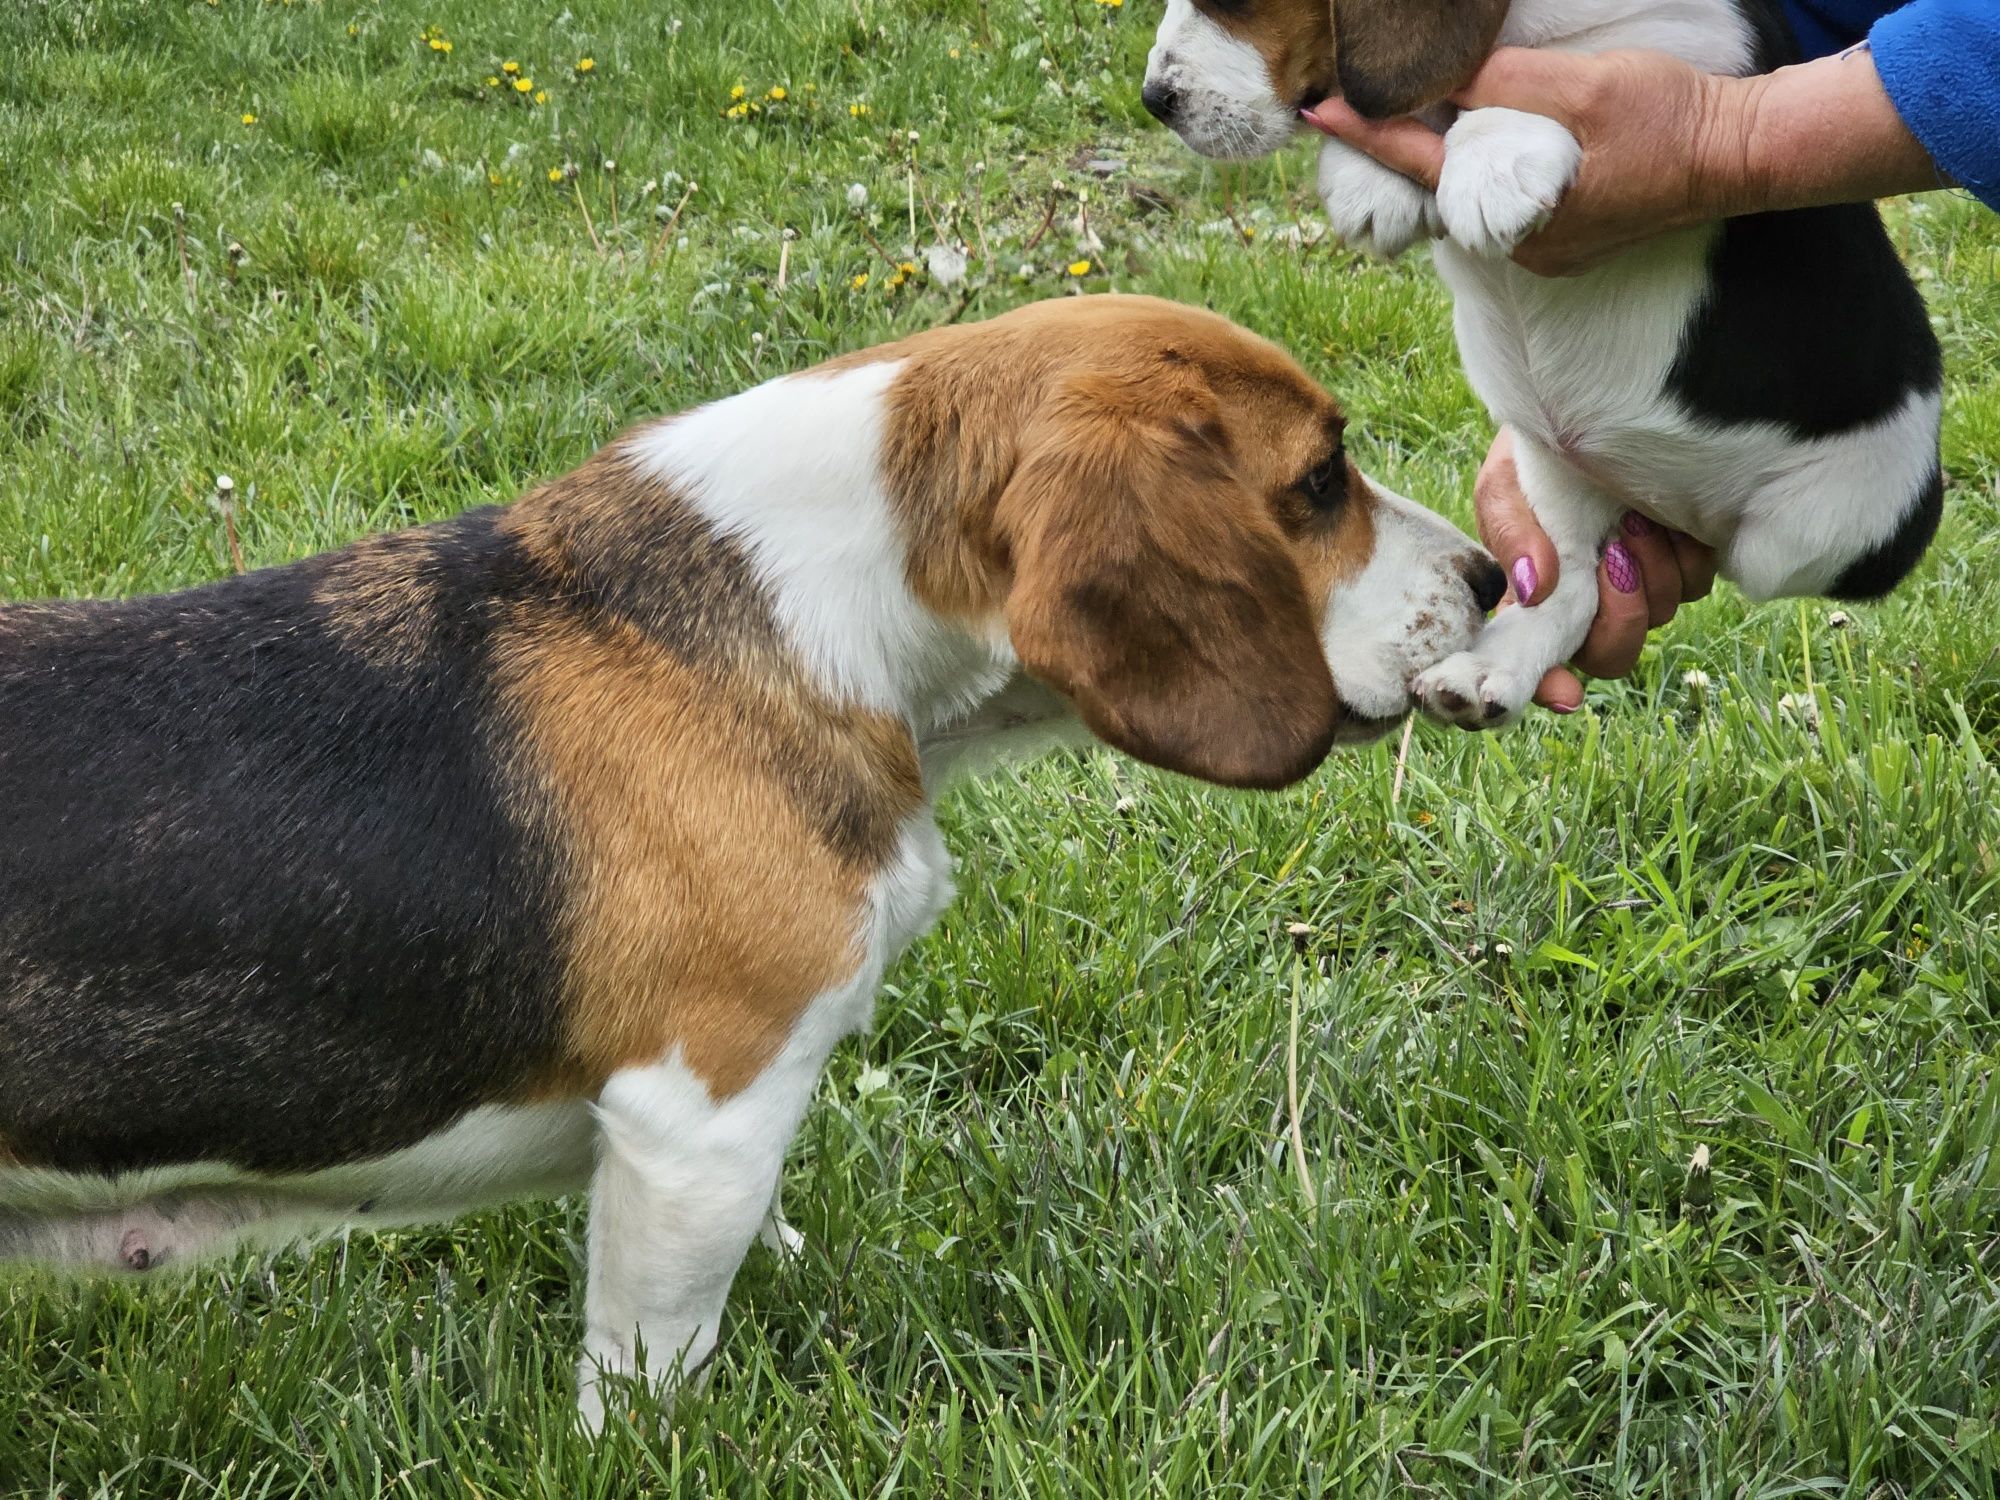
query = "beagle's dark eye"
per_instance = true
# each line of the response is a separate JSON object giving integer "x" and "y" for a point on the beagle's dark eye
{"x": 1326, "y": 486}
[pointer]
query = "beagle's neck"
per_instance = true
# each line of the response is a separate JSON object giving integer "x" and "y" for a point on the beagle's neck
{"x": 806, "y": 475}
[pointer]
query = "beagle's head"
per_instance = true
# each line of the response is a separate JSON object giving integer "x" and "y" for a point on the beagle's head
{"x": 1230, "y": 76}
{"x": 1177, "y": 541}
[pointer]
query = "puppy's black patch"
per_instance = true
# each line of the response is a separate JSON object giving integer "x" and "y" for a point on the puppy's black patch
{"x": 1889, "y": 563}
{"x": 1811, "y": 323}
{"x": 264, "y": 898}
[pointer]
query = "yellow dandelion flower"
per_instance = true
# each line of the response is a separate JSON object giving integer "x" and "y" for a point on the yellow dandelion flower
{"x": 907, "y": 267}
{"x": 494, "y": 179}
{"x": 1079, "y": 268}
{"x": 778, "y": 94}
{"x": 523, "y": 85}
{"x": 249, "y": 119}
{"x": 555, "y": 174}
{"x": 859, "y": 281}
{"x": 953, "y": 54}
{"x": 436, "y": 45}
{"x": 586, "y": 65}
{"x": 492, "y": 82}
{"x": 738, "y": 92}
{"x": 444, "y": 46}
{"x": 541, "y": 96}
{"x": 858, "y": 110}
{"x": 510, "y": 67}
{"x": 351, "y": 31}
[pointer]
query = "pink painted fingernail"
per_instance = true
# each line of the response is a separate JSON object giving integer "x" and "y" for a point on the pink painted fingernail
{"x": 1314, "y": 120}
{"x": 1525, "y": 579}
{"x": 1638, "y": 525}
{"x": 1563, "y": 708}
{"x": 1620, "y": 569}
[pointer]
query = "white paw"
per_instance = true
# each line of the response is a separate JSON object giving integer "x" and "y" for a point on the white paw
{"x": 781, "y": 1239}
{"x": 1372, "y": 209}
{"x": 1473, "y": 693}
{"x": 1504, "y": 173}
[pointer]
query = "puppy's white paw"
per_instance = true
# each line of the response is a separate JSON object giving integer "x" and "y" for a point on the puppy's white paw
{"x": 1473, "y": 693}
{"x": 1372, "y": 209}
{"x": 1504, "y": 173}
{"x": 781, "y": 1239}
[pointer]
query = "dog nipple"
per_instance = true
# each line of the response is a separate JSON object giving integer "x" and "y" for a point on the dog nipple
{"x": 132, "y": 1250}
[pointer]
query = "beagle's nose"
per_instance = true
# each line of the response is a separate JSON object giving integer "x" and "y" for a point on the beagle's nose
{"x": 1487, "y": 582}
{"x": 1162, "y": 101}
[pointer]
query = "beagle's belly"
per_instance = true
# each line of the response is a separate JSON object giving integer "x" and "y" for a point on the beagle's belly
{"x": 139, "y": 1221}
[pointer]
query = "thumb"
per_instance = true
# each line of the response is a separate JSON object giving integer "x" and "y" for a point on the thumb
{"x": 1402, "y": 145}
{"x": 1508, "y": 527}
{"x": 1521, "y": 78}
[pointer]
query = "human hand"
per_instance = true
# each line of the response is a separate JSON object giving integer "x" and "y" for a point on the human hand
{"x": 1641, "y": 118}
{"x": 1647, "y": 573}
{"x": 1666, "y": 146}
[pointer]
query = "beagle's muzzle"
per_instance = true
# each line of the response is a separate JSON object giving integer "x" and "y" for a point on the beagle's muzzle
{"x": 558, "y": 844}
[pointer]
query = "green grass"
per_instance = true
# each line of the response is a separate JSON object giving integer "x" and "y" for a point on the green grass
{"x": 1060, "y": 1246}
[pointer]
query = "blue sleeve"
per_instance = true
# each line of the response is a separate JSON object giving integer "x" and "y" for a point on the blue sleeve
{"x": 1940, "y": 62}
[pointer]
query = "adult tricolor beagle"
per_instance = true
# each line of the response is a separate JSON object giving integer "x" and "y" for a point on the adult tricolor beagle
{"x": 1769, "y": 384}
{"x": 558, "y": 844}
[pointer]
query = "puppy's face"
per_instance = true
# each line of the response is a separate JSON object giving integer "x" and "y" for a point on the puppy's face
{"x": 1230, "y": 76}
{"x": 1201, "y": 569}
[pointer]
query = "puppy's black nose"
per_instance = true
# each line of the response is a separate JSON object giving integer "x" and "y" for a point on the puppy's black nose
{"x": 1486, "y": 581}
{"x": 1162, "y": 101}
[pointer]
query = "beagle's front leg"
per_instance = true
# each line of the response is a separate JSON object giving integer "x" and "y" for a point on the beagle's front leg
{"x": 1489, "y": 684}
{"x": 1504, "y": 173}
{"x": 684, "y": 1183}
{"x": 1373, "y": 209}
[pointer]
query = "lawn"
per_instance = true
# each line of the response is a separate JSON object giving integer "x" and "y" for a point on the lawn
{"x": 1647, "y": 1136}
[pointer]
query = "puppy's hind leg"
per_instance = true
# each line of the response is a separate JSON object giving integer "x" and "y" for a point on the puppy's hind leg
{"x": 1490, "y": 684}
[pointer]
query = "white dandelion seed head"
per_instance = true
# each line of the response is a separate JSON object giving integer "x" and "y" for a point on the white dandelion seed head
{"x": 946, "y": 264}
{"x": 1695, "y": 679}
{"x": 857, "y": 195}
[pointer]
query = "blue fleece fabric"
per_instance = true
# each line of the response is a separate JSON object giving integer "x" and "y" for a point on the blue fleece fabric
{"x": 1940, "y": 62}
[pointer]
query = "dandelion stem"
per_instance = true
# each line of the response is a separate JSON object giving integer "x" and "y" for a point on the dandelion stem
{"x": 181, "y": 244}
{"x": 667, "y": 228}
{"x": 576, "y": 186}
{"x": 1297, "y": 1132}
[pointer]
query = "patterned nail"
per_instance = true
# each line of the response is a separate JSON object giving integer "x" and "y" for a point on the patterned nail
{"x": 1525, "y": 579}
{"x": 1620, "y": 569}
{"x": 1638, "y": 525}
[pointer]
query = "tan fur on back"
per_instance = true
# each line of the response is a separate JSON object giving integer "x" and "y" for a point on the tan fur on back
{"x": 719, "y": 819}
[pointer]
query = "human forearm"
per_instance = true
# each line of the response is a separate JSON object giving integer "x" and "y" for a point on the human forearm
{"x": 1820, "y": 132}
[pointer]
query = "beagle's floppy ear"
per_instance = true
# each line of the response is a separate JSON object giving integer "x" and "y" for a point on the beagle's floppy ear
{"x": 1393, "y": 57}
{"x": 1156, "y": 593}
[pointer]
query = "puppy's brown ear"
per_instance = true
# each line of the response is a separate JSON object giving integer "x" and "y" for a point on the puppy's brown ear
{"x": 1393, "y": 57}
{"x": 1157, "y": 594}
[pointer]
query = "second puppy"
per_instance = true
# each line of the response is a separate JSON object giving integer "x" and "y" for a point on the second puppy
{"x": 1769, "y": 384}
